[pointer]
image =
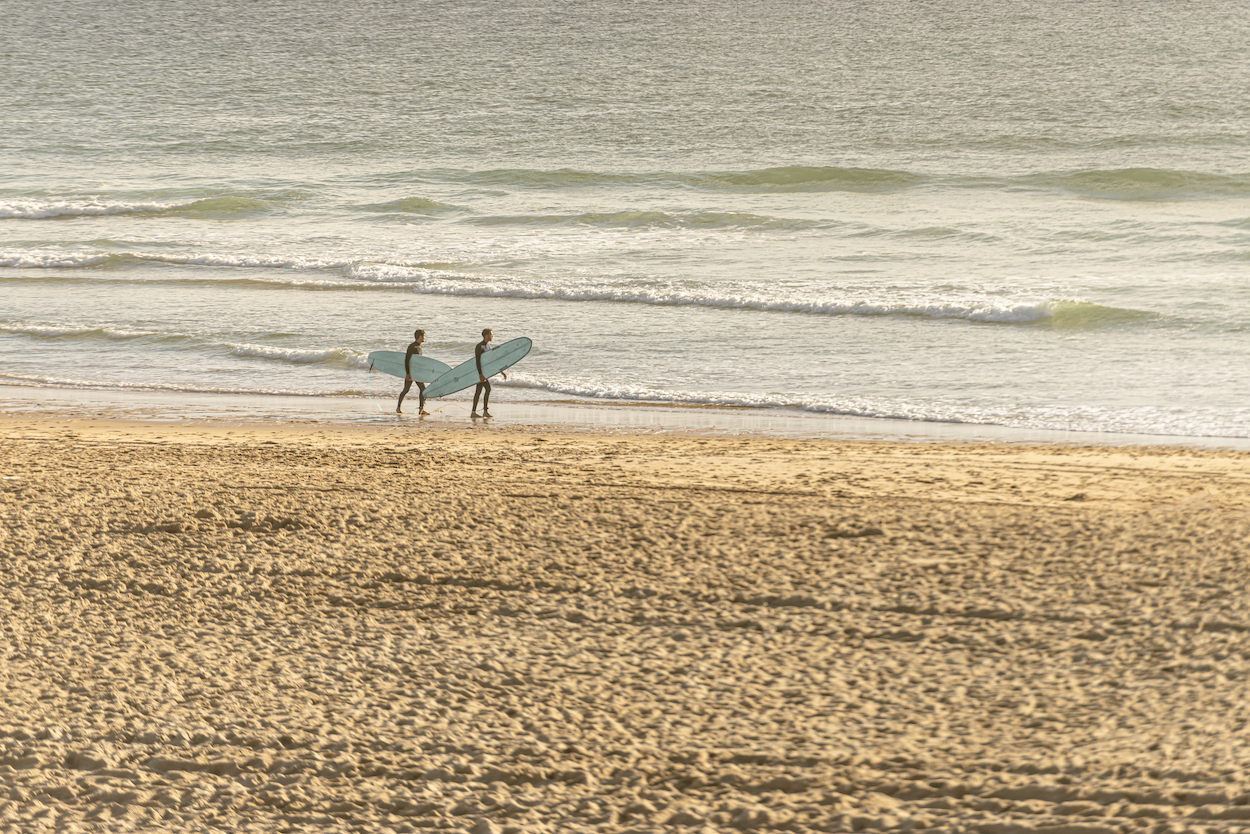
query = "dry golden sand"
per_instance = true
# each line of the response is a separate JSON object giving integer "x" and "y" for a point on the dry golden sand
{"x": 334, "y": 628}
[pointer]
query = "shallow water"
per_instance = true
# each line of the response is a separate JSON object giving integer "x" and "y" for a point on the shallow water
{"x": 1023, "y": 215}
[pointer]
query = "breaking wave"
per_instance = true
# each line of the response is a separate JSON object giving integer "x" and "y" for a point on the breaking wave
{"x": 335, "y": 357}
{"x": 32, "y": 208}
{"x": 72, "y": 332}
{"x": 1059, "y": 313}
{"x": 332, "y": 357}
{"x": 364, "y": 275}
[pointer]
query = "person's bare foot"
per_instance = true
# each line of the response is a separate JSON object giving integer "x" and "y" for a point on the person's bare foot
{"x": 425, "y": 414}
{"x": 475, "y": 415}
{"x": 397, "y": 411}
{"x": 485, "y": 413}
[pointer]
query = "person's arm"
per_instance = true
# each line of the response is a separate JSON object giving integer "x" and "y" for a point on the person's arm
{"x": 477, "y": 354}
{"x": 407, "y": 372}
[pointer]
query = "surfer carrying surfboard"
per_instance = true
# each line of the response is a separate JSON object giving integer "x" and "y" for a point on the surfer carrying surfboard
{"x": 414, "y": 349}
{"x": 483, "y": 384}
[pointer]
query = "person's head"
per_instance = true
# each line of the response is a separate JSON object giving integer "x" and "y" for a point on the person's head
{"x": 487, "y": 334}
{"x": 418, "y": 336}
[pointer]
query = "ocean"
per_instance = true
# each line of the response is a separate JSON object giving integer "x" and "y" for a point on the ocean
{"x": 1023, "y": 215}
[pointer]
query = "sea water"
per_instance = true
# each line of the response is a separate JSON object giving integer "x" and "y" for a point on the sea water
{"x": 1021, "y": 214}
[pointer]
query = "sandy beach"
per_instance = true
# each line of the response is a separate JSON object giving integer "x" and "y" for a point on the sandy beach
{"x": 222, "y": 627}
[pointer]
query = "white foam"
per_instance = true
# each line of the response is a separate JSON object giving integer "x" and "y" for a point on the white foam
{"x": 302, "y": 356}
{"x": 32, "y": 209}
{"x": 55, "y": 331}
{"x": 247, "y": 261}
{"x": 744, "y": 297}
{"x": 397, "y": 274}
{"x": 44, "y": 258}
{"x": 173, "y": 388}
{"x": 1156, "y": 421}
{"x": 1162, "y": 421}
{"x": 968, "y": 304}
{"x": 35, "y": 259}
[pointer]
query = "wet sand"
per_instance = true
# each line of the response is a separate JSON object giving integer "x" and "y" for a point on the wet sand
{"x": 379, "y": 628}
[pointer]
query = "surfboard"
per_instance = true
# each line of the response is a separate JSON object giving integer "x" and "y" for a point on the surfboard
{"x": 495, "y": 360}
{"x": 424, "y": 369}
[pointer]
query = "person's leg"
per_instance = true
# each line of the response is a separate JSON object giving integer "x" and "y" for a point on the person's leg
{"x": 486, "y": 399}
{"x": 421, "y": 401}
{"x": 400, "y": 405}
{"x": 477, "y": 392}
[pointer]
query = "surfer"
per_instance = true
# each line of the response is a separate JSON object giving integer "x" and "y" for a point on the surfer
{"x": 413, "y": 349}
{"x": 483, "y": 384}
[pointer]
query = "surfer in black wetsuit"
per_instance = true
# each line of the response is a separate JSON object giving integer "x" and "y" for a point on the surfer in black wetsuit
{"x": 483, "y": 384}
{"x": 414, "y": 349}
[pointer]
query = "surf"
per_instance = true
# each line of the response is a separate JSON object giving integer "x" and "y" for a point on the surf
{"x": 51, "y": 208}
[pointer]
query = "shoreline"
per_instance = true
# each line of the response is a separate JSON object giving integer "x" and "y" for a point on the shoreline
{"x": 284, "y": 626}
{"x": 607, "y": 415}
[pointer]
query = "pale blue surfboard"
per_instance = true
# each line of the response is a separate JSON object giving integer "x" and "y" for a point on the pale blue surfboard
{"x": 424, "y": 369}
{"x": 493, "y": 361}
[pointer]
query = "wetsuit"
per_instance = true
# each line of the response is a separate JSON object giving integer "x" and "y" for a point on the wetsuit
{"x": 414, "y": 348}
{"x": 482, "y": 387}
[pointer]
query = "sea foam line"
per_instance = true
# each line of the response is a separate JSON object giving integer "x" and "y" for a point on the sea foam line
{"x": 166, "y": 387}
{"x": 61, "y": 331}
{"x": 1159, "y": 421}
{"x": 1068, "y": 312}
{"x": 598, "y": 390}
{"x": 29, "y": 208}
{"x": 47, "y": 259}
{"x": 429, "y": 282}
{"x": 1156, "y": 421}
{"x": 340, "y": 357}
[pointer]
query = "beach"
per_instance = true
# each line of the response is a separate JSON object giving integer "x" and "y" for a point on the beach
{"x": 246, "y": 626}
{"x": 879, "y": 464}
